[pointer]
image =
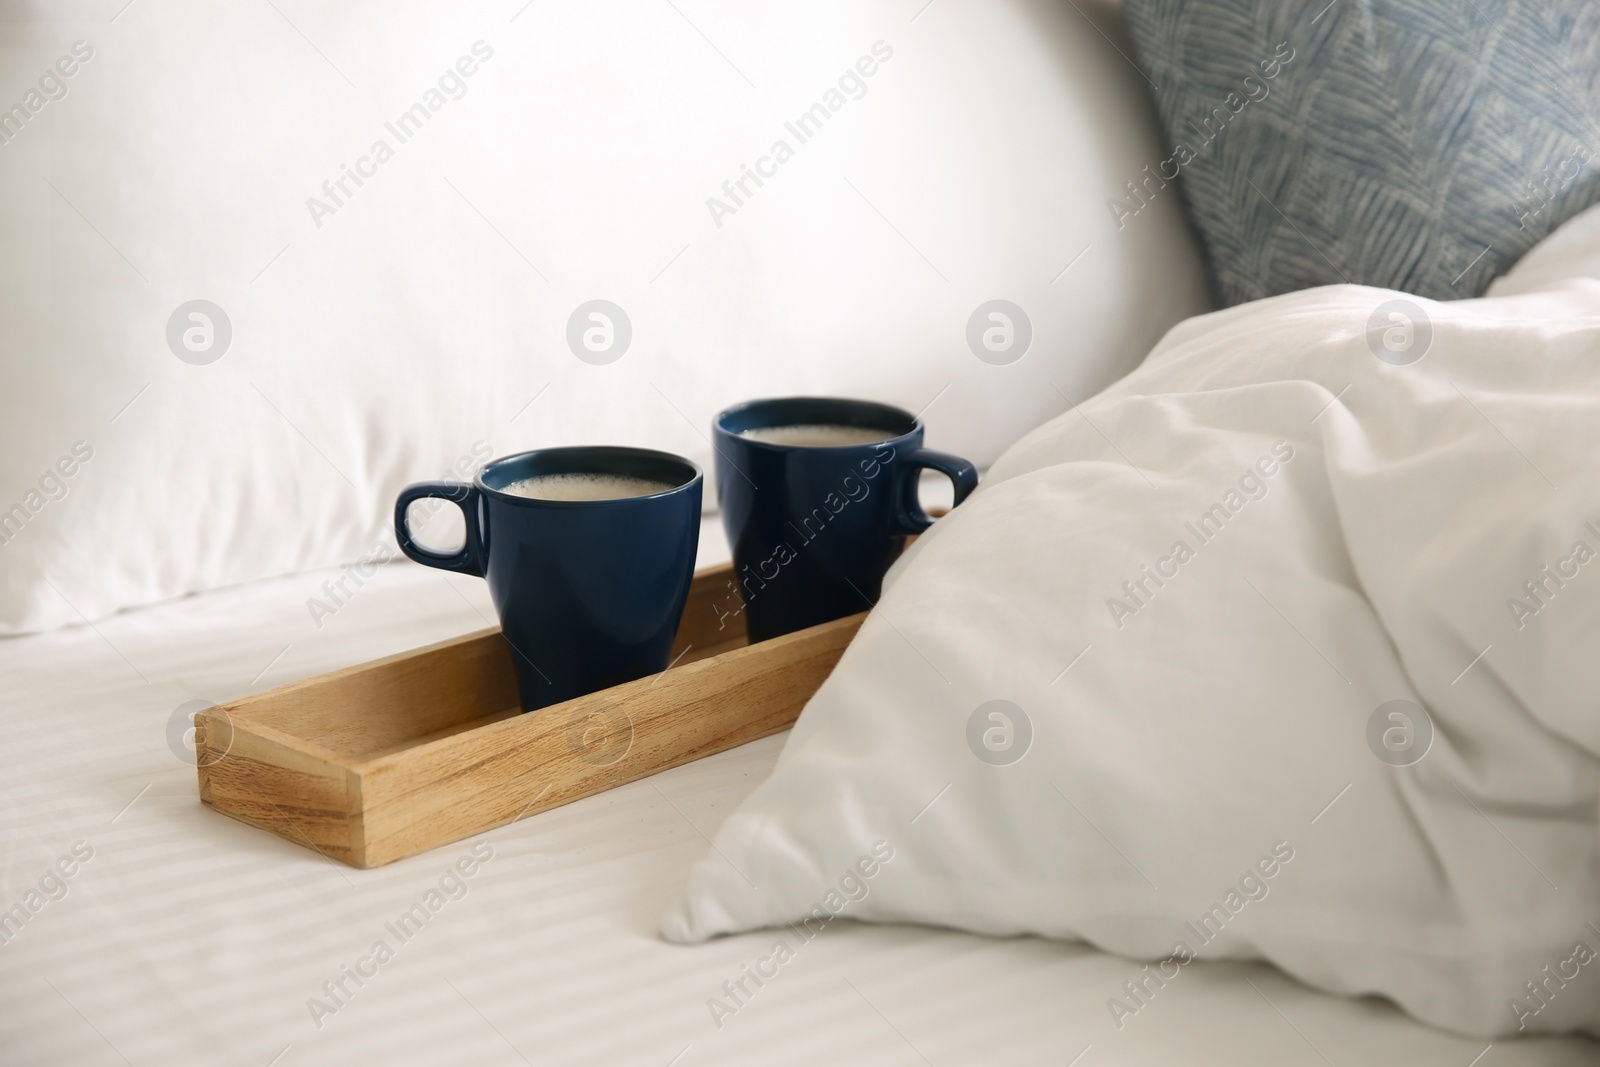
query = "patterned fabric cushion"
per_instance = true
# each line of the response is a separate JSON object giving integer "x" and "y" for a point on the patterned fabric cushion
{"x": 1421, "y": 145}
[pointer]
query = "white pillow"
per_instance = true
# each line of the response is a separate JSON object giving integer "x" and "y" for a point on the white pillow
{"x": 399, "y": 329}
{"x": 1064, "y": 724}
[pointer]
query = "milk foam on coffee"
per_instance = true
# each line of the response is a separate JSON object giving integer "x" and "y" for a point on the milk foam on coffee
{"x": 818, "y": 435}
{"x": 585, "y": 486}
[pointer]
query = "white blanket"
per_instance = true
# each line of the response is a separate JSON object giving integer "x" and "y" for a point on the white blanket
{"x": 1160, "y": 684}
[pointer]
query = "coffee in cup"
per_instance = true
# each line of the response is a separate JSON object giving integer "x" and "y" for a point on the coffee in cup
{"x": 585, "y": 486}
{"x": 817, "y": 435}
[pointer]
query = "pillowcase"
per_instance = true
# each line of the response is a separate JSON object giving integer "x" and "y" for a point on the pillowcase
{"x": 1421, "y": 145}
{"x": 1276, "y": 649}
{"x": 265, "y": 265}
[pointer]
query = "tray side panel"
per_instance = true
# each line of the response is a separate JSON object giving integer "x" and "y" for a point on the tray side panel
{"x": 270, "y": 784}
{"x": 474, "y": 781}
{"x": 360, "y": 711}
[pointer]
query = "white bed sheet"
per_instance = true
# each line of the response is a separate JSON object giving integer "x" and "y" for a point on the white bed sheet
{"x": 189, "y": 938}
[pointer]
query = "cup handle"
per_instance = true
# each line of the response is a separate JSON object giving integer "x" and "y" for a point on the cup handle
{"x": 467, "y": 561}
{"x": 909, "y": 516}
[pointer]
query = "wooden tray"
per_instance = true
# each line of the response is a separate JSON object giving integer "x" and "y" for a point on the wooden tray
{"x": 387, "y": 759}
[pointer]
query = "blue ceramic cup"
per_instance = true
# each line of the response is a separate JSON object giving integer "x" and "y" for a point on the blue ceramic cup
{"x": 814, "y": 526}
{"x": 589, "y": 592}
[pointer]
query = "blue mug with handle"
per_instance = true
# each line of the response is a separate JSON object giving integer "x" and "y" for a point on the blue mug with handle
{"x": 818, "y": 496}
{"x": 589, "y": 587}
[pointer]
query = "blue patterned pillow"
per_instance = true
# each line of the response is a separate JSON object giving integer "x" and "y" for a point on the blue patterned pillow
{"x": 1421, "y": 145}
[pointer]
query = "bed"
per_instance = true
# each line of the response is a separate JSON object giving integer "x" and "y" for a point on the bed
{"x": 189, "y": 938}
{"x": 182, "y": 554}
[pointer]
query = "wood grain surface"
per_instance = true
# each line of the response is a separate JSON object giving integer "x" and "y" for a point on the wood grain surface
{"x": 383, "y": 760}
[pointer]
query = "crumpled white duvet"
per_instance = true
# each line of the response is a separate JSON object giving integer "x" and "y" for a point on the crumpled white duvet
{"x": 1286, "y": 646}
